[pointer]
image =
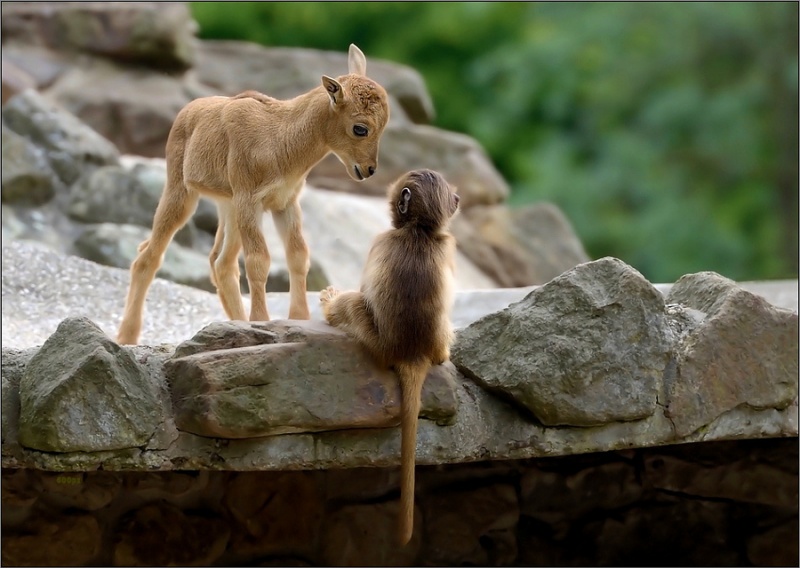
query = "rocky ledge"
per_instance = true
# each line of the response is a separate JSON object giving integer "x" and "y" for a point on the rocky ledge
{"x": 598, "y": 359}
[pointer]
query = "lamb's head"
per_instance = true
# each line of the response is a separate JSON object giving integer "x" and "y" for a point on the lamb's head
{"x": 360, "y": 111}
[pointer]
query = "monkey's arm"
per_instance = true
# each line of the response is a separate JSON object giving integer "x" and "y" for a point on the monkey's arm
{"x": 348, "y": 311}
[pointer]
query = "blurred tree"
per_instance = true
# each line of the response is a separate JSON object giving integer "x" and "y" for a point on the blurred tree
{"x": 667, "y": 132}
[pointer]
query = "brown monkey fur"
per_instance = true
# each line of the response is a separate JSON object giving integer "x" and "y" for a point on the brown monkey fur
{"x": 402, "y": 312}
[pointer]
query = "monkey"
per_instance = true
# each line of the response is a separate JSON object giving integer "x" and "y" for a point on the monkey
{"x": 401, "y": 314}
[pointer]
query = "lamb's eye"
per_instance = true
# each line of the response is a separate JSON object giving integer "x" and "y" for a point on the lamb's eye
{"x": 360, "y": 130}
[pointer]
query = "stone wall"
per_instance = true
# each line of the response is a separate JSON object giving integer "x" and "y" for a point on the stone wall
{"x": 705, "y": 504}
{"x": 550, "y": 439}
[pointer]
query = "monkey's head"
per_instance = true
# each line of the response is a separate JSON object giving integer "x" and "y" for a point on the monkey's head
{"x": 424, "y": 199}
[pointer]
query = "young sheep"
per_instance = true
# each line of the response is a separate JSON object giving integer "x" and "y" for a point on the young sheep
{"x": 252, "y": 153}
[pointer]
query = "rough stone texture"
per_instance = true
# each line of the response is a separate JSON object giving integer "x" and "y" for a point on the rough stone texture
{"x": 276, "y": 513}
{"x": 68, "y": 540}
{"x": 476, "y": 526}
{"x": 85, "y": 491}
{"x": 157, "y": 34}
{"x": 744, "y": 353}
{"x": 163, "y": 535}
{"x": 776, "y": 546}
{"x": 308, "y": 377}
{"x": 611, "y": 508}
{"x": 687, "y": 470}
{"x": 546, "y": 495}
{"x": 588, "y": 348}
{"x": 72, "y": 148}
{"x": 27, "y": 176}
{"x": 521, "y": 246}
{"x": 14, "y": 362}
{"x": 42, "y": 287}
{"x": 366, "y": 535}
{"x": 82, "y": 392}
{"x": 660, "y": 532}
{"x": 117, "y": 245}
{"x": 115, "y": 194}
{"x": 115, "y": 106}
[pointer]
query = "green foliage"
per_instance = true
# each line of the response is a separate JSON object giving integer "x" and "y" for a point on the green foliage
{"x": 667, "y": 132}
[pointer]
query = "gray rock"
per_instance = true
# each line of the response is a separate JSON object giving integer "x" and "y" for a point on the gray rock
{"x": 27, "y": 176}
{"x": 131, "y": 106}
{"x": 744, "y": 353}
{"x": 14, "y": 362}
{"x": 307, "y": 377}
{"x": 15, "y": 80}
{"x": 43, "y": 65}
{"x": 117, "y": 245}
{"x": 206, "y": 217}
{"x": 588, "y": 348}
{"x": 520, "y": 246}
{"x": 113, "y": 194}
{"x": 72, "y": 148}
{"x": 83, "y": 392}
{"x": 156, "y": 34}
{"x": 13, "y": 226}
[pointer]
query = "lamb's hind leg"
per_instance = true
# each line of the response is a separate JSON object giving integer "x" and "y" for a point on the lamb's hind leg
{"x": 176, "y": 205}
{"x": 224, "y": 261}
{"x": 289, "y": 224}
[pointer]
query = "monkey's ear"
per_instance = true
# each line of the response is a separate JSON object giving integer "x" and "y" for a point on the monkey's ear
{"x": 333, "y": 88}
{"x": 405, "y": 197}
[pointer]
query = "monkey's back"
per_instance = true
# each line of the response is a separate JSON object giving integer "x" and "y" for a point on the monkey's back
{"x": 409, "y": 294}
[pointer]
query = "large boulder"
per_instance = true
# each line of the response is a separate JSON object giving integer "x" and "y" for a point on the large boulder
{"x": 117, "y": 245}
{"x": 156, "y": 34}
{"x": 289, "y": 377}
{"x": 744, "y": 353}
{"x": 132, "y": 107}
{"x": 28, "y": 178}
{"x": 519, "y": 246}
{"x": 83, "y": 392}
{"x": 588, "y": 348}
{"x": 71, "y": 147}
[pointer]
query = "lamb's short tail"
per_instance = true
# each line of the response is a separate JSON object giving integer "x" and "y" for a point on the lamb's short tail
{"x": 411, "y": 375}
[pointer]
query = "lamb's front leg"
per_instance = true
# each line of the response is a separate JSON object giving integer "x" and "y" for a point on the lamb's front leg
{"x": 289, "y": 224}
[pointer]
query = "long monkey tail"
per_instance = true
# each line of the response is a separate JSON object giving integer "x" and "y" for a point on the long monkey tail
{"x": 411, "y": 375}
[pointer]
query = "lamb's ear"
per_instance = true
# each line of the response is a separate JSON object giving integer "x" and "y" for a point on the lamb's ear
{"x": 356, "y": 61}
{"x": 405, "y": 197}
{"x": 333, "y": 88}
